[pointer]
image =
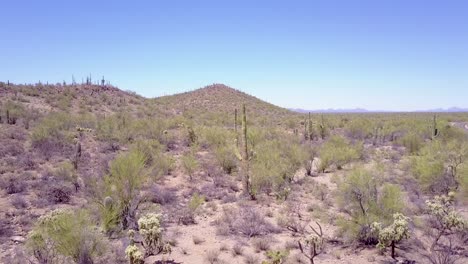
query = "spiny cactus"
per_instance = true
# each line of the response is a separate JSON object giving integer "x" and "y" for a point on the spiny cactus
{"x": 235, "y": 127}
{"x": 393, "y": 234}
{"x": 134, "y": 255}
{"x": 151, "y": 232}
{"x": 312, "y": 245}
{"x": 323, "y": 129}
{"x": 246, "y": 157}
{"x": 77, "y": 155}
{"x": 435, "y": 131}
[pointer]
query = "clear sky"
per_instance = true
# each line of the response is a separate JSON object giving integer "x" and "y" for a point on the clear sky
{"x": 385, "y": 54}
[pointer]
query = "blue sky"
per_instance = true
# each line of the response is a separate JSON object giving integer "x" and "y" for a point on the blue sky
{"x": 386, "y": 55}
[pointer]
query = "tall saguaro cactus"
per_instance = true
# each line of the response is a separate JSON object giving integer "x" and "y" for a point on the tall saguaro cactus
{"x": 235, "y": 127}
{"x": 246, "y": 157}
{"x": 435, "y": 131}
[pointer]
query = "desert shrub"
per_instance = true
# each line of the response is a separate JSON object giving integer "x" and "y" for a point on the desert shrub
{"x": 122, "y": 186}
{"x": 53, "y": 134}
{"x": 55, "y": 125}
{"x": 277, "y": 256}
{"x": 13, "y": 183}
{"x": 246, "y": 221}
{"x": 159, "y": 163}
{"x": 212, "y": 256}
{"x": 11, "y": 148}
{"x": 65, "y": 172}
{"x": 163, "y": 196}
{"x": 190, "y": 164}
{"x": 338, "y": 151}
{"x": 226, "y": 158}
{"x": 5, "y": 227}
{"x": 59, "y": 193}
{"x": 274, "y": 164}
{"x": 65, "y": 234}
{"x": 237, "y": 250}
{"x": 412, "y": 142}
{"x": 439, "y": 166}
{"x": 216, "y": 137}
{"x": 251, "y": 259}
{"x": 19, "y": 202}
{"x": 359, "y": 128}
{"x": 189, "y": 212}
{"x": 362, "y": 198}
{"x": 393, "y": 234}
{"x": 261, "y": 244}
{"x": 15, "y": 111}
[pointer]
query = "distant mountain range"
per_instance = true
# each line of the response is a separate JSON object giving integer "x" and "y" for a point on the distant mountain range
{"x": 362, "y": 110}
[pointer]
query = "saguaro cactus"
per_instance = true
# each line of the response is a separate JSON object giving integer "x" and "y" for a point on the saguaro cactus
{"x": 77, "y": 155}
{"x": 246, "y": 156}
{"x": 435, "y": 131}
{"x": 323, "y": 131}
{"x": 235, "y": 127}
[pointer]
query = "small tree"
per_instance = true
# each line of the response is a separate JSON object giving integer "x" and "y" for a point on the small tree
{"x": 127, "y": 174}
{"x": 190, "y": 164}
{"x": 392, "y": 235}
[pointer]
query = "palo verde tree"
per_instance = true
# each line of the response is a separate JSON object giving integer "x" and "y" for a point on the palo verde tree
{"x": 363, "y": 197}
{"x": 122, "y": 189}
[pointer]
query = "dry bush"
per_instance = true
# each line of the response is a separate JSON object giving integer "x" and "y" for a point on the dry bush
{"x": 18, "y": 201}
{"x": 5, "y": 227}
{"x": 261, "y": 244}
{"x": 251, "y": 259}
{"x": 212, "y": 256}
{"x": 163, "y": 195}
{"x": 10, "y": 148}
{"x": 246, "y": 221}
{"x": 237, "y": 250}
{"x": 13, "y": 183}
{"x": 59, "y": 194}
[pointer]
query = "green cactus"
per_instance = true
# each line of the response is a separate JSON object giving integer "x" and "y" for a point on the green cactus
{"x": 435, "y": 131}
{"x": 245, "y": 157}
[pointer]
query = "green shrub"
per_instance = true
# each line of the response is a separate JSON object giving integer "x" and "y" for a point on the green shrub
{"x": 122, "y": 184}
{"x": 412, "y": 142}
{"x": 56, "y": 125}
{"x": 65, "y": 234}
{"x": 190, "y": 164}
{"x": 275, "y": 163}
{"x": 226, "y": 158}
{"x": 338, "y": 151}
{"x": 362, "y": 197}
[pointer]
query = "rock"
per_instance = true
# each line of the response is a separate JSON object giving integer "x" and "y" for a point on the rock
{"x": 18, "y": 239}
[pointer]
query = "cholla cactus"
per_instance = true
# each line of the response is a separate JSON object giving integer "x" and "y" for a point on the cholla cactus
{"x": 312, "y": 245}
{"x": 151, "y": 232}
{"x": 447, "y": 220}
{"x": 134, "y": 255}
{"x": 393, "y": 234}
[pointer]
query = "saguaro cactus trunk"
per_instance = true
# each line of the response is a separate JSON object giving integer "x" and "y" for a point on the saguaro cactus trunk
{"x": 246, "y": 156}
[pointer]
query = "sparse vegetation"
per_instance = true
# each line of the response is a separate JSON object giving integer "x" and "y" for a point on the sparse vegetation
{"x": 185, "y": 171}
